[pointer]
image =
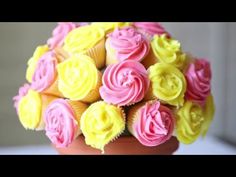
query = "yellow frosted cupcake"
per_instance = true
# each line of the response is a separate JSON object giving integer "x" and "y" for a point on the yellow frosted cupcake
{"x": 165, "y": 50}
{"x": 32, "y": 62}
{"x": 190, "y": 119}
{"x": 168, "y": 84}
{"x": 31, "y": 108}
{"x": 101, "y": 123}
{"x": 110, "y": 26}
{"x": 89, "y": 40}
{"x": 79, "y": 79}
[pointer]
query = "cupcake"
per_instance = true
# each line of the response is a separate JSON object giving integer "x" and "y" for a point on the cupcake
{"x": 31, "y": 108}
{"x": 189, "y": 124}
{"x": 109, "y": 27}
{"x": 165, "y": 50}
{"x": 32, "y": 62}
{"x": 168, "y": 84}
{"x": 44, "y": 79}
{"x": 79, "y": 79}
{"x": 62, "y": 121}
{"x": 59, "y": 34}
{"x": 149, "y": 29}
{"x": 102, "y": 123}
{"x": 89, "y": 40}
{"x": 151, "y": 123}
{"x": 198, "y": 77}
{"x": 126, "y": 44}
{"x": 124, "y": 83}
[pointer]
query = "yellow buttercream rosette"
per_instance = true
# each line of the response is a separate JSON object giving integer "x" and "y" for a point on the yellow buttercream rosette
{"x": 110, "y": 26}
{"x": 168, "y": 50}
{"x": 102, "y": 123}
{"x": 167, "y": 84}
{"x": 209, "y": 111}
{"x": 89, "y": 40}
{"x": 190, "y": 119}
{"x": 32, "y": 62}
{"x": 79, "y": 79}
{"x": 30, "y": 109}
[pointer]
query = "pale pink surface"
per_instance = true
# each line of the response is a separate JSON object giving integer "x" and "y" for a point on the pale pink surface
{"x": 198, "y": 76}
{"x": 45, "y": 72}
{"x": 60, "y": 124}
{"x": 151, "y": 28}
{"x": 23, "y": 90}
{"x": 154, "y": 125}
{"x": 128, "y": 44}
{"x": 59, "y": 34}
{"x": 124, "y": 83}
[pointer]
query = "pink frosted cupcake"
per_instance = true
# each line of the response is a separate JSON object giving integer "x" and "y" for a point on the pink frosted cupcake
{"x": 62, "y": 121}
{"x": 149, "y": 29}
{"x": 44, "y": 79}
{"x": 23, "y": 90}
{"x": 151, "y": 123}
{"x": 124, "y": 83}
{"x": 198, "y": 77}
{"x": 59, "y": 34}
{"x": 126, "y": 44}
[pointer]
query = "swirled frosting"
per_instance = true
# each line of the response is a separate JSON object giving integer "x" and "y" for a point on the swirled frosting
{"x": 168, "y": 50}
{"x": 128, "y": 44}
{"x": 124, "y": 83}
{"x": 61, "y": 125}
{"x": 101, "y": 123}
{"x": 83, "y": 38}
{"x": 77, "y": 76}
{"x": 45, "y": 72}
{"x": 198, "y": 76}
{"x": 29, "y": 110}
{"x": 189, "y": 122}
{"x": 168, "y": 83}
{"x": 154, "y": 124}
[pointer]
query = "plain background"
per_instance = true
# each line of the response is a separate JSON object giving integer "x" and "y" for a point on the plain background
{"x": 214, "y": 41}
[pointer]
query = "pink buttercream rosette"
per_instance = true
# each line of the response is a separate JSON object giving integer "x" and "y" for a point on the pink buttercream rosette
{"x": 45, "y": 72}
{"x": 151, "y": 123}
{"x": 124, "y": 83}
{"x": 62, "y": 121}
{"x": 198, "y": 77}
{"x": 126, "y": 44}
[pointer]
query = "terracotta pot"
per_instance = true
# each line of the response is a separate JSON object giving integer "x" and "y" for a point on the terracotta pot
{"x": 126, "y": 145}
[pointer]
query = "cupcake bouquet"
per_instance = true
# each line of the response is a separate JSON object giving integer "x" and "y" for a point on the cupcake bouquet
{"x": 106, "y": 80}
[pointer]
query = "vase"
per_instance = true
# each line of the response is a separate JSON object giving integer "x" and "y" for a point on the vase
{"x": 126, "y": 145}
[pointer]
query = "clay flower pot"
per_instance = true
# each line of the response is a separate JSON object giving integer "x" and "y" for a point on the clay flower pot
{"x": 126, "y": 145}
